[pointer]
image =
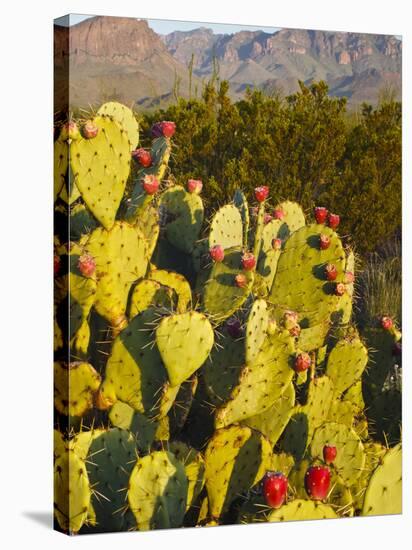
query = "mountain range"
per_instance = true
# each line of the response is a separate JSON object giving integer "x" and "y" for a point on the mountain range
{"x": 124, "y": 59}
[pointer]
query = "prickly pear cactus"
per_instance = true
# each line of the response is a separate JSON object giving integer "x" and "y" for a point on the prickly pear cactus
{"x": 209, "y": 368}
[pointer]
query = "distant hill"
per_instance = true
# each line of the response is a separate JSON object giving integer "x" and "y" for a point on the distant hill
{"x": 122, "y": 58}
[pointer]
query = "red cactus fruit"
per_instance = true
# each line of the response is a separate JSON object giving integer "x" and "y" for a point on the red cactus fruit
{"x": 324, "y": 242}
{"x": 295, "y": 331}
{"x": 276, "y": 244}
{"x": 89, "y": 130}
{"x": 321, "y": 214}
{"x": 331, "y": 272}
{"x": 302, "y": 362}
{"x": 340, "y": 289}
{"x": 248, "y": 261}
{"x": 234, "y": 328}
{"x": 329, "y": 453}
{"x": 150, "y": 185}
{"x": 195, "y": 186}
{"x": 142, "y": 157}
{"x": 165, "y": 128}
{"x": 217, "y": 253}
{"x": 275, "y": 488}
{"x": 386, "y": 322}
{"x": 241, "y": 280}
{"x": 267, "y": 218}
{"x": 261, "y": 193}
{"x": 86, "y": 265}
{"x": 333, "y": 220}
{"x": 278, "y": 214}
{"x": 317, "y": 482}
{"x": 70, "y": 131}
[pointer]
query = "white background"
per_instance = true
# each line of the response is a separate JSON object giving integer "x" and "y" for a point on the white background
{"x": 26, "y": 272}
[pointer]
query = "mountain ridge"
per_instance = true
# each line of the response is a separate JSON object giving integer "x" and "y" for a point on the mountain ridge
{"x": 124, "y": 59}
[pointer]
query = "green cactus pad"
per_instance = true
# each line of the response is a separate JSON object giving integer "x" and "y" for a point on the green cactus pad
{"x": 302, "y": 510}
{"x": 184, "y": 217}
{"x": 179, "y": 412}
{"x": 79, "y": 344}
{"x": 74, "y": 388}
{"x": 354, "y": 395}
{"x": 236, "y": 459}
{"x": 158, "y": 489}
{"x": 350, "y": 458}
{"x": 148, "y": 223}
{"x": 380, "y": 344}
{"x": 300, "y": 283}
{"x": 109, "y": 463}
{"x": 176, "y": 282}
{"x": 149, "y": 293}
{"x": 121, "y": 257}
{"x": 72, "y": 492}
{"x": 274, "y": 420}
{"x": 125, "y": 118}
{"x": 306, "y": 418}
{"x": 194, "y": 469}
{"x": 256, "y": 327}
{"x": 135, "y": 373}
{"x": 81, "y": 222}
{"x": 145, "y": 430}
{"x": 313, "y": 338}
{"x": 101, "y": 167}
{"x": 346, "y": 363}
{"x": 343, "y": 412}
{"x": 221, "y": 295}
{"x": 222, "y": 370}
{"x": 260, "y": 383}
{"x": 184, "y": 342}
{"x": 226, "y": 228}
{"x": 293, "y": 219}
{"x": 268, "y": 256}
{"x": 239, "y": 200}
{"x": 59, "y": 444}
{"x": 83, "y": 291}
{"x": 374, "y": 453}
{"x": 81, "y": 441}
{"x": 61, "y": 163}
{"x": 384, "y": 492}
{"x": 139, "y": 201}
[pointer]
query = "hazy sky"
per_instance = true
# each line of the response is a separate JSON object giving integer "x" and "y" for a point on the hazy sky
{"x": 163, "y": 26}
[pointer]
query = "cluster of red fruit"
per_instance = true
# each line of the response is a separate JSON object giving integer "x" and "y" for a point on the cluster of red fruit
{"x": 317, "y": 481}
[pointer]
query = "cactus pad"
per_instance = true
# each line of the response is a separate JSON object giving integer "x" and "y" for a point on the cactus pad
{"x": 184, "y": 342}
{"x": 121, "y": 258}
{"x": 350, "y": 459}
{"x": 149, "y": 293}
{"x": 256, "y": 327}
{"x": 384, "y": 493}
{"x": 300, "y": 284}
{"x": 176, "y": 282}
{"x": 74, "y": 388}
{"x": 184, "y": 217}
{"x": 157, "y": 493}
{"x": 260, "y": 383}
{"x": 226, "y": 228}
{"x": 100, "y": 168}
{"x": 299, "y": 509}
{"x": 236, "y": 458}
{"x": 194, "y": 469}
{"x": 124, "y": 118}
{"x": 110, "y": 460}
{"x": 346, "y": 363}
{"x": 221, "y": 295}
{"x": 293, "y": 218}
{"x": 135, "y": 373}
{"x": 61, "y": 162}
{"x": 72, "y": 492}
{"x": 274, "y": 420}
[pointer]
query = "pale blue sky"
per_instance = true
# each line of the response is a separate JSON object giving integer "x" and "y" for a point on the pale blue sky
{"x": 163, "y": 26}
